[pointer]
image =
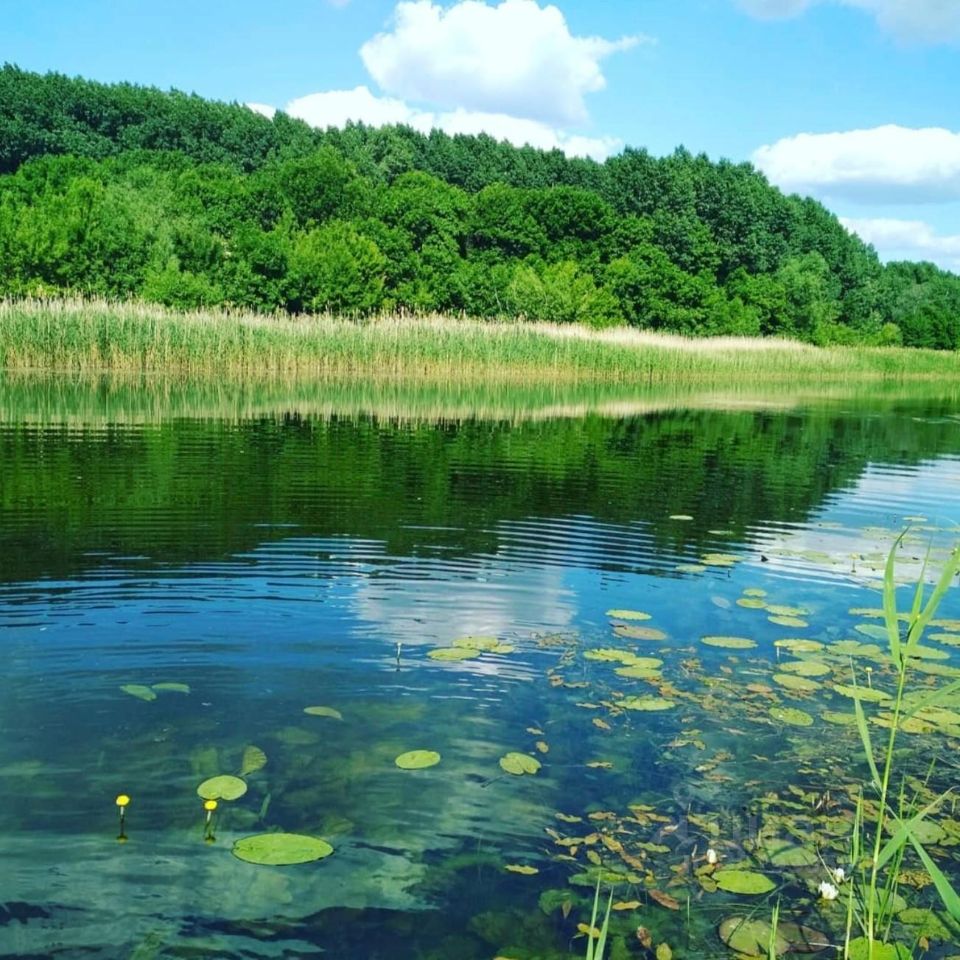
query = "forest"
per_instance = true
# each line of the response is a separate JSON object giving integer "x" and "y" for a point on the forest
{"x": 128, "y": 192}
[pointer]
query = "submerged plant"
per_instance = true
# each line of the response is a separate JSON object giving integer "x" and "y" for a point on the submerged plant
{"x": 876, "y": 860}
{"x": 595, "y": 949}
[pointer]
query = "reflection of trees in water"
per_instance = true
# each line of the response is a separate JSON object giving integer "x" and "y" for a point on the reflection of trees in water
{"x": 195, "y": 490}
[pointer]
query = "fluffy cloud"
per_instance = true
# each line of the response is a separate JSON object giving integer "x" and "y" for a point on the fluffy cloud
{"x": 334, "y": 108}
{"x": 884, "y": 164}
{"x": 908, "y": 240}
{"x": 516, "y": 58}
{"x": 933, "y": 21}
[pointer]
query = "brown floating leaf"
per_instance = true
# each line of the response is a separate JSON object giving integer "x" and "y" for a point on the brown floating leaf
{"x": 664, "y": 899}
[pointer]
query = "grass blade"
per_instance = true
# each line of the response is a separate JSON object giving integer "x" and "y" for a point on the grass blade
{"x": 950, "y": 569}
{"x": 947, "y": 894}
{"x": 904, "y": 831}
{"x": 890, "y": 602}
{"x": 865, "y": 737}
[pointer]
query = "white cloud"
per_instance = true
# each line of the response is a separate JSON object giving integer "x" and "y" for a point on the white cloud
{"x": 886, "y": 164}
{"x": 335, "y": 107}
{"x": 908, "y": 240}
{"x": 932, "y": 21}
{"x": 262, "y": 108}
{"x": 515, "y": 58}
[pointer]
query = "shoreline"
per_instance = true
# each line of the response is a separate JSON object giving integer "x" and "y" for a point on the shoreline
{"x": 84, "y": 337}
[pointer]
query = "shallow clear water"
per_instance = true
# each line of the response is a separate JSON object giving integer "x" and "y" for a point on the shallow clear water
{"x": 276, "y": 562}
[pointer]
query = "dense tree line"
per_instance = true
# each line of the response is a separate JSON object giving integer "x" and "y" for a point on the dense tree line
{"x": 127, "y": 191}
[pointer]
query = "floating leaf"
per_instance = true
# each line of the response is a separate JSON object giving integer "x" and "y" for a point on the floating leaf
{"x": 139, "y": 691}
{"x": 793, "y": 682}
{"x": 805, "y": 668}
{"x": 872, "y": 630}
{"x": 281, "y": 849}
{"x": 172, "y": 687}
{"x": 638, "y": 673}
{"x": 450, "y": 654}
{"x": 788, "y": 621}
{"x": 861, "y": 693}
{"x": 782, "y": 853}
{"x": 628, "y": 615}
{"x": 417, "y": 759}
{"x": 664, "y": 899}
{"x": 645, "y": 703}
{"x": 223, "y": 787}
{"x": 754, "y": 592}
{"x": 792, "y": 716}
{"x": 750, "y": 937}
{"x": 522, "y": 869}
{"x": 690, "y": 568}
{"x": 840, "y": 719}
{"x": 778, "y": 610}
{"x": 626, "y": 657}
{"x": 743, "y": 881}
{"x": 254, "y": 759}
{"x": 799, "y": 645}
{"x": 751, "y": 603}
{"x": 519, "y": 764}
{"x": 626, "y": 905}
{"x": 729, "y": 643}
{"x": 860, "y": 950}
{"x": 477, "y": 643}
{"x": 680, "y": 516}
{"x": 639, "y": 633}
{"x": 323, "y": 712}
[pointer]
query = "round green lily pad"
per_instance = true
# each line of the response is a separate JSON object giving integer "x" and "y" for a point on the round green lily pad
{"x": 792, "y": 682}
{"x": 323, "y": 712}
{"x": 224, "y": 787}
{"x": 788, "y": 621}
{"x": 453, "y": 653}
{"x": 628, "y": 615}
{"x": 799, "y": 645}
{"x": 614, "y": 655}
{"x": 782, "y": 853}
{"x": 519, "y": 764}
{"x": 752, "y": 603}
{"x": 417, "y": 759}
{"x": 861, "y": 693}
{"x": 805, "y": 668}
{"x": 281, "y": 849}
{"x": 750, "y": 937}
{"x": 729, "y": 643}
{"x": 639, "y": 633}
{"x": 477, "y": 643}
{"x": 646, "y": 703}
{"x": 634, "y": 672}
{"x": 840, "y": 719}
{"x": 743, "y": 881}
{"x": 792, "y": 716}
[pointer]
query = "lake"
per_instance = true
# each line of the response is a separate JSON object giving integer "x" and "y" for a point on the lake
{"x": 523, "y": 588}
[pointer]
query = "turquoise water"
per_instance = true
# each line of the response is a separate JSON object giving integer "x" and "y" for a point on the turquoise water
{"x": 266, "y": 564}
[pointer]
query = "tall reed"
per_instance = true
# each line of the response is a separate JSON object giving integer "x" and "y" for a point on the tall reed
{"x": 97, "y": 336}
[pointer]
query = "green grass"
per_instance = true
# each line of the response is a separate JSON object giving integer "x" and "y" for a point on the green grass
{"x": 72, "y": 336}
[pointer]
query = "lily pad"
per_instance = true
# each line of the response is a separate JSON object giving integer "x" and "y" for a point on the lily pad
{"x": 792, "y": 682}
{"x": 483, "y": 644}
{"x": 139, "y": 691}
{"x": 223, "y": 787}
{"x": 743, "y": 881}
{"x": 840, "y": 719}
{"x": 754, "y": 592}
{"x": 799, "y": 645}
{"x": 752, "y": 603}
{"x": 519, "y": 764}
{"x": 789, "y": 621}
{"x": 860, "y": 950}
{"x": 171, "y": 687}
{"x": 417, "y": 759}
{"x": 646, "y": 703}
{"x": 729, "y": 643}
{"x": 634, "y": 672}
{"x": 872, "y": 630}
{"x": 522, "y": 869}
{"x": 628, "y": 615}
{"x": 639, "y": 633}
{"x": 324, "y": 712}
{"x": 782, "y": 853}
{"x": 450, "y": 654}
{"x": 750, "y": 937}
{"x": 791, "y": 716}
{"x": 805, "y": 668}
{"x": 281, "y": 849}
{"x": 616, "y": 655}
{"x": 859, "y": 692}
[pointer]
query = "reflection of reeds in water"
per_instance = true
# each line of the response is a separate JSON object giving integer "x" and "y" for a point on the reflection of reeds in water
{"x": 132, "y": 398}
{"x": 91, "y": 336}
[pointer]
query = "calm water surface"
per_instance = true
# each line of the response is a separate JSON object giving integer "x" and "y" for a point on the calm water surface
{"x": 274, "y": 562}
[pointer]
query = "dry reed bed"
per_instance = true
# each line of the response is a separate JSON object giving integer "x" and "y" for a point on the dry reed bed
{"x": 84, "y": 336}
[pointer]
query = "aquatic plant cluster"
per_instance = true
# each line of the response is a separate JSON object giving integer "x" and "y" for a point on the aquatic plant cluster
{"x": 96, "y": 337}
{"x": 126, "y": 192}
{"x": 832, "y": 853}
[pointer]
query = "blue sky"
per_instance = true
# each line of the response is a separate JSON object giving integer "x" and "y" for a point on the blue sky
{"x": 853, "y": 101}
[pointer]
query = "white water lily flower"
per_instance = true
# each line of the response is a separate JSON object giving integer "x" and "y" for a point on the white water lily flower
{"x": 827, "y": 890}
{"x": 712, "y": 856}
{"x": 839, "y": 875}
